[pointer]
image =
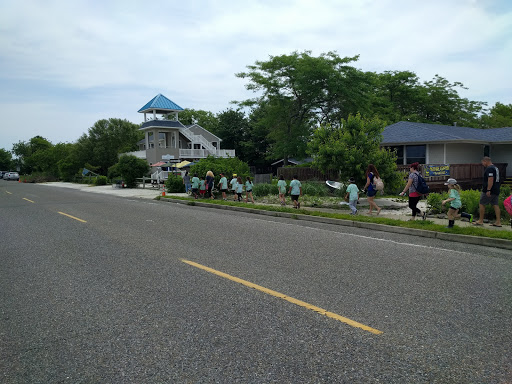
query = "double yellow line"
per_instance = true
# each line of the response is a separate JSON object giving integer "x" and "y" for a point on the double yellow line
{"x": 300, "y": 303}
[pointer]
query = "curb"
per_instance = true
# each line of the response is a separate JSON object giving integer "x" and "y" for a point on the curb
{"x": 474, "y": 240}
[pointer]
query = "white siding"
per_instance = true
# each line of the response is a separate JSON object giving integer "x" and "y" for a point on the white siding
{"x": 502, "y": 153}
{"x": 436, "y": 154}
{"x": 464, "y": 153}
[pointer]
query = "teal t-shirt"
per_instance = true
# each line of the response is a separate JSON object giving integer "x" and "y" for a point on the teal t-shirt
{"x": 203, "y": 186}
{"x": 223, "y": 183}
{"x": 233, "y": 184}
{"x": 295, "y": 186}
{"x": 248, "y": 186}
{"x": 454, "y": 194}
{"x": 195, "y": 182}
{"x": 281, "y": 184}
{"x": 239, "y": 187}
{"x": 352, "y": 190}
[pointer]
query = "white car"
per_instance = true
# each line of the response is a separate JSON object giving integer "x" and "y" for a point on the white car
{"x": 11, "y": 176}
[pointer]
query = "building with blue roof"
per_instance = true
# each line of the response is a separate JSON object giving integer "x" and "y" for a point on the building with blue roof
{"x": 166, "y": 138}
{"x": 445, "y": 144}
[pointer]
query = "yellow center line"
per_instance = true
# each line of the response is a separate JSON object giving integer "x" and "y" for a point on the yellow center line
{"x": 73, "y": 217}
{"x": 29, "y": 200}
{"x": 287, "y": 298}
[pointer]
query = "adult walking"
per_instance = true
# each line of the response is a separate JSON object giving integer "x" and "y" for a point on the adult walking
{"x": 490, "y": 192}
{"x": 209, "y": 184}
{"x": 371, "y": 191}
{"x": 414, "y": 195}
{"x": 186, "y": 181}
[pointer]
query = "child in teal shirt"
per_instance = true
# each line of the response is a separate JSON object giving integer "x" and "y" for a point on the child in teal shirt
{"x": 455, "y": 203}
{"x": 281, "y": 185}
{"x": 352, "y": 195}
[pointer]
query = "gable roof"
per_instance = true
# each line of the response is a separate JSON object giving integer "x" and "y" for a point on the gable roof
{"x": 405, "y": 132}
{"x": 160, "y": 103}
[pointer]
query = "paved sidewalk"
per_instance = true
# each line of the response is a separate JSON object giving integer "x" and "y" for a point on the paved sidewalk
{"x": 391, "y": 207}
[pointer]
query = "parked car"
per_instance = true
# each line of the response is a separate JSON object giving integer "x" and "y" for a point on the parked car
{"x": 11, "y": 176}
{"x": 2, "y": 173}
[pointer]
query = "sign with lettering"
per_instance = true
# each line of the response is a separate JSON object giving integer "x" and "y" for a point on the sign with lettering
{"x": 437, "y": 170}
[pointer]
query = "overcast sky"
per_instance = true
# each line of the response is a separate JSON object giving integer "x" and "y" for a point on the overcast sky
{"x": 66, "y": 64}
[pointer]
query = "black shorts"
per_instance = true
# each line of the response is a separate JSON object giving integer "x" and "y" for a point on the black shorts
{"x": 194, "y": 190}
{"x": 493, "y": 199}
{"x": 249, "y": 191}
{"x": 295, "y": 197}
{"x": 223, "y": 190}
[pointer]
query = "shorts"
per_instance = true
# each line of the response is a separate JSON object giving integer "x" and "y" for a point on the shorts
{"x": 295, "y": 197}
{"x": 223, "y": 190}
{"x": 455, "y": 209}
{"x": 249, "y": 191}
{"x": 202, "y": 191}
{"x": 194, "y": 190}
{"x": 493, "y": 199}
{"x": 371, "y": 193}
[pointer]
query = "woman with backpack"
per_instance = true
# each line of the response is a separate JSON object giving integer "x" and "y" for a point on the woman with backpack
{"x": 372, "y": 176}
{"x": 414, "y": 195}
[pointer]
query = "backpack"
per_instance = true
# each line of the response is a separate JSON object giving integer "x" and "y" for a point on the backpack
{"x": 422, "y": 186}
{"x": 378, "y": 184}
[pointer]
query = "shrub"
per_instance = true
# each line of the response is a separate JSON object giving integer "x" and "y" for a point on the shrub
{"x": 130, "y": 168}
{"x": 228, "y": 166}
{"x": 174, "y": 184}
{"x": 265, "y": 189}
{"x": 100, "y": 180}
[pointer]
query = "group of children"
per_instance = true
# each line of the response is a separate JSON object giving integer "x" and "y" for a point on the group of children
{"x": 352, "y": 195}
{"x": 200, "y": 187}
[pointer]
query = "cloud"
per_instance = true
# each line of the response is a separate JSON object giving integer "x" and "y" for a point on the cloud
{"x": 92, "y": 57}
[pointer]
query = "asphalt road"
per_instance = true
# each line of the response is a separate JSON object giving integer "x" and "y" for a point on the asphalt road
{"x": 94, "y": 290}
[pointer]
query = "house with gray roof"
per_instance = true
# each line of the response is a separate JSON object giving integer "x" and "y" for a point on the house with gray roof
{"x": 444, "y": 144}
{"x": 166, "y": 139}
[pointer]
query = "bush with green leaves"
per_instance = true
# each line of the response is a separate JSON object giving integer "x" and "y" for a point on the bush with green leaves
{"x": 130, "y": 168}
{"x": 174, "y": 184}
{"x": 228, "y": 166}
{"x": 100, "y": 180}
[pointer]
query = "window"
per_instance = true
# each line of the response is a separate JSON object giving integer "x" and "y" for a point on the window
{"x": 487, "y": 150}
{"x": 416, "y": 153}
{"x": 399, "y": 153}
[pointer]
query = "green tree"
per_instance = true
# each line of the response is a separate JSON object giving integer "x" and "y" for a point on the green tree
{"x": 105, "y": 140}
{"x": 499, "y": 116}
{"x": 350, "y": 147}
{"x": 233, "y": 127}
{"x": 5, "y": 160}
{"x": 205, "y": 119}
{"x": 131, "y": 168}
{"x": 297, "y": 91}
{"x": 32, "y": 156}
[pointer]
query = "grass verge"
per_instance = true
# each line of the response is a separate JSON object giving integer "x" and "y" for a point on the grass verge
{"x": 419, "y": 224}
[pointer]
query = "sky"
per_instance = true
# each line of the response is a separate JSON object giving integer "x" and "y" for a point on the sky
{"x": 66, "y": 64}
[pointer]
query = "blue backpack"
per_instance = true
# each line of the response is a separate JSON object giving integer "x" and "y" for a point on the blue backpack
{"x": 422, "y": 186}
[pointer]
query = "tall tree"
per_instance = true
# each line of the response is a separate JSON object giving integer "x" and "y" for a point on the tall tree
{"x": 105, "y": 140}
{"x": 205, "y": 119}
{"x": 297, "y": 91}
{"x": 349, "y": 147}
{"x": 499, "y": 116}
{"x": 233, "y": 128}
{"x": 5, "y": 160}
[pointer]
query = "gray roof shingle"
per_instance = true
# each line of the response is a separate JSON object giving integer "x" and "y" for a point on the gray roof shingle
{"x": 405, "y": 132}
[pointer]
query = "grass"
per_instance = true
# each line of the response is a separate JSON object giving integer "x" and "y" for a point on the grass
{"x": 419, "y": 224}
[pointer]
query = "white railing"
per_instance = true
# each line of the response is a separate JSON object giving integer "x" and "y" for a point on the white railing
{"x": 193, "y": 153}
{"x": 160, "y": 175}
{"x": 225, "y": 153}
{"x": 198, "y": 139}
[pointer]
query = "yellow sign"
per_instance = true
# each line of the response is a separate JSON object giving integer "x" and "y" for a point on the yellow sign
{"x": 437, "y": 170}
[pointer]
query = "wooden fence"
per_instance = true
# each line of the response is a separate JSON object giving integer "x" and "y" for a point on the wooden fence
{"x": 304, "y": 173}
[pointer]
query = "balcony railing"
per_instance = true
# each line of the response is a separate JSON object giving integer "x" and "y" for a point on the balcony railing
{"x": 202, "y": 153}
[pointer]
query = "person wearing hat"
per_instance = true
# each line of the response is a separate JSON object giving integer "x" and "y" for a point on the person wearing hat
{"x": 232, "y": 183}
{"x": 455, "y": 203}
{"x": 352, "y": 195}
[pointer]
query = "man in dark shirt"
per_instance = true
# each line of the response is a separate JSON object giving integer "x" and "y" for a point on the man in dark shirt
{"x": 490, "y": 191}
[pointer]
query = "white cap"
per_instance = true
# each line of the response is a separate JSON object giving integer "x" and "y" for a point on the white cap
{"x": 450, "y": 182}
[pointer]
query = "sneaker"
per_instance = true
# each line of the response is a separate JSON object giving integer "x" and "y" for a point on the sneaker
{"x": 471, "y": 218}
